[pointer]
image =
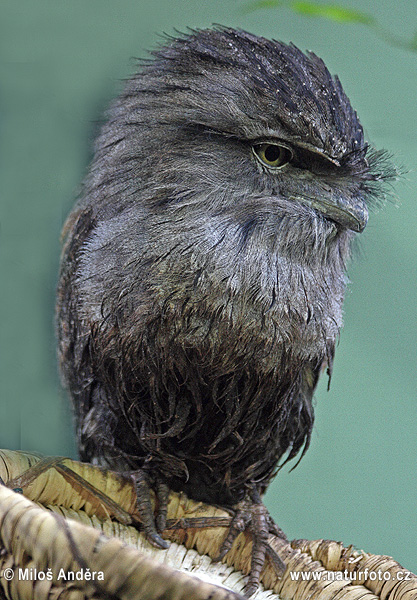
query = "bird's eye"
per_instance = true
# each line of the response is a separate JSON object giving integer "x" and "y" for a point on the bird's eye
{"x": 272, "y": 155}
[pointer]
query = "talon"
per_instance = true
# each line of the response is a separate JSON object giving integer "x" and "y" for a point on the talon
{"x": 239, "y": 523}
{"x": 251, "y": 514}
{"x": 155, "y": 540}
{"x": 275, "y": 530}
{"x": 162, "y": 495}
{"x": 144, "y": 506}
{"x": 277, "y": 562}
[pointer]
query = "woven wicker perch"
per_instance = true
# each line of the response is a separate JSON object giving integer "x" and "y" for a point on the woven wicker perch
{"x": 70, "y": 535}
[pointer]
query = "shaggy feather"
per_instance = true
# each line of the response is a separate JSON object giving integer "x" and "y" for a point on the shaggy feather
{"x": 201, "y": 292}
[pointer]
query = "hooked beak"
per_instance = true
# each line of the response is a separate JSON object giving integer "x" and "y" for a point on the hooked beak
{"x": 349, "y": 212}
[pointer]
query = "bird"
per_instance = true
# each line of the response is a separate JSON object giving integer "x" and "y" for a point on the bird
{"x": 203, "y": 270}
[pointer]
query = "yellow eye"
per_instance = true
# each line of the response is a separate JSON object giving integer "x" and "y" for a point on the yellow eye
{"x": 272, "y": 155}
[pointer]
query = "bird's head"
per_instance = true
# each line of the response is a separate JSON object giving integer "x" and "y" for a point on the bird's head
{"x": 244, "y": 138}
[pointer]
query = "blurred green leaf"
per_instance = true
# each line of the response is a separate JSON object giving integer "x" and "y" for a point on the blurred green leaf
{"x": 333, "y": 12}
{"x": 339, "y": 14}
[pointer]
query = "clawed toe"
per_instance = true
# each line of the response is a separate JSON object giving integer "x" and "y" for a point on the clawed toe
{"x": 150, "y": 524}
{"x": 252, "y": 515}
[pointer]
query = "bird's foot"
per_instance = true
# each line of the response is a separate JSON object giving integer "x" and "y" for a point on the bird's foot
{"x": 251, "y": 514}
{"x": 152, "y": 525}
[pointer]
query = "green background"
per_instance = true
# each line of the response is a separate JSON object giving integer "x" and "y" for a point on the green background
{"x": 60, "y": 64}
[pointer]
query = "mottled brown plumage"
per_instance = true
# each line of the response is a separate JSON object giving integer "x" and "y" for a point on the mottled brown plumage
{"x": 203, "y": 270}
